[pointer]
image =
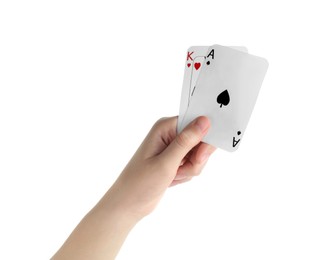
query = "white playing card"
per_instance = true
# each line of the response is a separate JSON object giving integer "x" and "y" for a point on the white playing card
{"x": 194, "y": 60}
{"x": 226, "y": 92}
{"x": 192, "y": 69}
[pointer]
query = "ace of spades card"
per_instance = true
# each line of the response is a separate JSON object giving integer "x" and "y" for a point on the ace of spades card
{"x": 226, "y": 92}
{"x": 195, "y": 58}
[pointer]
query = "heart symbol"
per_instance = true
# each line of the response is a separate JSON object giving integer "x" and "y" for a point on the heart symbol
{"x": 188, "y": 65}
{"x": 197, "y": 65}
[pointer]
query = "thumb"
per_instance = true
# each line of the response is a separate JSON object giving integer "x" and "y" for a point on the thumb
{"x": 186, "y": 140}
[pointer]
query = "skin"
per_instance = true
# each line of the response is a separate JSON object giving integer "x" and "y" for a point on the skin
{"x": 163, "y": 159}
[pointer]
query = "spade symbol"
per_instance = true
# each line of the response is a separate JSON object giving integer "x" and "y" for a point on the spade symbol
{"x": 223, "y": 98}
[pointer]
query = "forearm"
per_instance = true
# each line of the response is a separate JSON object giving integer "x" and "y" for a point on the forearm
{"x": 100, "y": 234}
{"x": 163, "y": 159}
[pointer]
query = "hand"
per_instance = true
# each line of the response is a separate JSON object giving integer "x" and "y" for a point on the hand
{"x": 164, "y": 159}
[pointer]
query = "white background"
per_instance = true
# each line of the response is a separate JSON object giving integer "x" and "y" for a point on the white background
{"x": 82, "y": 82}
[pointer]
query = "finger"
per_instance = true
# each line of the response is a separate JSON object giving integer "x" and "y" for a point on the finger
{"x": 196, "y": 162}
{"x": 176, "y": 182}
{"x": 189, "y": 170}
{"x": 160, "y": 136}
{"x": 186, "y": 140}
{"x": 203, "y": 152}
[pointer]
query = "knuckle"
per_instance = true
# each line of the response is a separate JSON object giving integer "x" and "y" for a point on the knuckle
{"x": 184, "y": 139}
{"x": 196, "y": 171}
{"x": 161, "y": 120}
{"x": 158, "y": 124}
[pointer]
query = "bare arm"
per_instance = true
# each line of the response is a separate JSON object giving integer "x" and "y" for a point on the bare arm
{"x": 163, "y": 159}
{"x": 100, "y": 234}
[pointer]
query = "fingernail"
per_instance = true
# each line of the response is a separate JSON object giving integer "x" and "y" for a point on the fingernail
{"x": 202, "y": 123}
{"x": 180, "y": 177}
{"x": 204, "y": 157}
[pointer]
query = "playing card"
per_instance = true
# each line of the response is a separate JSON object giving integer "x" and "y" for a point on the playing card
{"x": 226, "y": 92}
{"x": 194, "y": 60}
